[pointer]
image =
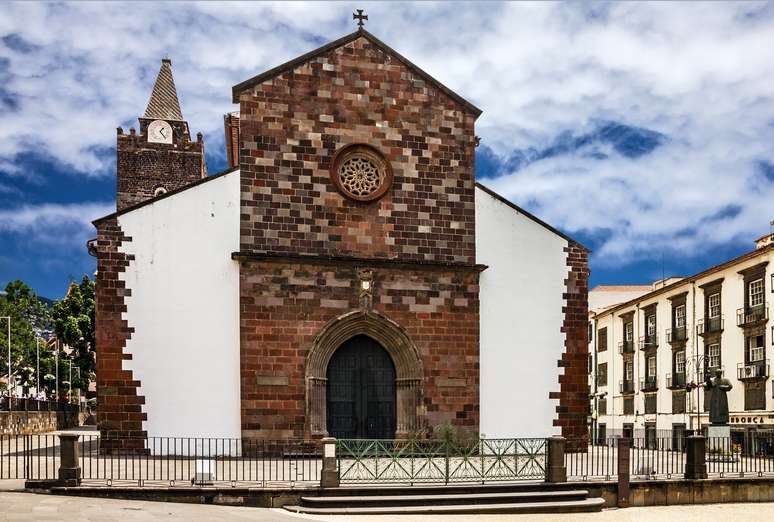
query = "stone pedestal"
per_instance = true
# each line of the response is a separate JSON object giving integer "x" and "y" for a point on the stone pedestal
{"x": 719, "y": 439}
{"x": 69, "y": 470}
{"x": 695, "y": 463}
{"x": 329, "y": 476}
{"x": 555, "y": 469}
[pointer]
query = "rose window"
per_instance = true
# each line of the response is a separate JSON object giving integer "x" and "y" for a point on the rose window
{"x": 361, "y": 173}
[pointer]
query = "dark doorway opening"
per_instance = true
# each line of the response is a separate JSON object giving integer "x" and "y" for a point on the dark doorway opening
{"x": 361, "y": 391}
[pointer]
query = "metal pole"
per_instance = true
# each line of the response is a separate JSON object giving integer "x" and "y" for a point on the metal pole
{"x": 8, "y": 318}
{"x": 70, "y": 382}
{"x": 37, "y": 357}
{"x": 56, "y": 364}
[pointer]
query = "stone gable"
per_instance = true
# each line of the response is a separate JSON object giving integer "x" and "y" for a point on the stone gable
{"x": 291, "y": 126}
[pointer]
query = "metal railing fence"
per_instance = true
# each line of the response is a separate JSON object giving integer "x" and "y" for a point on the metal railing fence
{"x": 415, "y": 461}
{"x": 29, "y": 404}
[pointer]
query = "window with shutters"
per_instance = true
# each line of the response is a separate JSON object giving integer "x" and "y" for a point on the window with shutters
{"x": 652, "y": 366}
{"x": 650, "y": 403}
{"x": 755, "y": 395}
{"x": 602, "y": 374}
{"x": 680, "y": 362}
{"x": 713, "y": 355}
{"x": 756, "y": 293}
{"x": 755, "y": 348}
{"x": 602, "y": 407}
{"x": 628, "y": 406}
{"x": 650, "y": 323}
{"x": 713, "y": 306}
{"x": 602, "y": 339}
{"x": 628, "y": 370}
{"x": 680, "y": 316}
{"x": 678, "y": 402}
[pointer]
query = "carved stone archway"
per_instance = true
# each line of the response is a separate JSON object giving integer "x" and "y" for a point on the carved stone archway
{"x": 397, "y": 343}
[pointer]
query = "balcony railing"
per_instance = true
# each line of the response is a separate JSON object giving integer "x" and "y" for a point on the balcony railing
{"x": 676, "y": 335}
{"x": 753, "y": 370}
{"x": 626, "y": 386}
{"x": 751, "y": 316}
{"x": 648, "y": 341}
{"x": 675, "y": 380}
{"x": 649, "y": 383}
{"x": 709, "y": 325}
{"x": 626, "y": 347}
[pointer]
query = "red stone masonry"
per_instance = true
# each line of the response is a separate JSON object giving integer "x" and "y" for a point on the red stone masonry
{"x": 284, "y": 305}
{"x": 292, "y": 124}
{"x": 120, "y": 415}
{"x": 573, "y": 408}
{"x": 142, "y": 167}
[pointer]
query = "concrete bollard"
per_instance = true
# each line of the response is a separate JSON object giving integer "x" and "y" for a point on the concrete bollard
{"x": 695, "y": 457}
{"x": 330, "y": 474}
{"x": 555, "y": 468}
{"x": 69, "y": 459}
{"x": 624, "y": 459}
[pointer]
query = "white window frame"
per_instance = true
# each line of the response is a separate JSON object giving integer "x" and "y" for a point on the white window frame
{"x": 680, "y": 316}
{"x": 652, "y": 366}
{"x": 713, "y": 355}
{"x": 756, "y": 352}
{"x": 713, "y": 303}
{"x": 650, "y": 321}
{"x": 628, "y": 371}
{"x": 756, "y": 291}
{"x": 680, "y": 362}
{"x": 629, "y": 329}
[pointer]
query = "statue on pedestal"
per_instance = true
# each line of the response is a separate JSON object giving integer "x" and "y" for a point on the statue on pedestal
{"x": 720, "y": 386}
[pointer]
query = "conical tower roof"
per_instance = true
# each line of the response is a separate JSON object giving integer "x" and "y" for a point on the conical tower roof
{"x": 163, "y": 103}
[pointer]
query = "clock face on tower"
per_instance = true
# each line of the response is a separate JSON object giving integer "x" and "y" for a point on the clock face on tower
{"x": 159, "y": 131}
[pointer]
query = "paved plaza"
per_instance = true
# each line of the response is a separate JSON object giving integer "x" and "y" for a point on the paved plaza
{"x": 29, "y": 507}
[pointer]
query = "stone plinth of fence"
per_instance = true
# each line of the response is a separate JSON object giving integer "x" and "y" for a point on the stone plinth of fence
{"x": 695, "y": 457}
{"x": 329, "y": 476}
{"x": 555, "y": 466}
{"x": 69, "y": 458}
{"x": 624, "y": 459}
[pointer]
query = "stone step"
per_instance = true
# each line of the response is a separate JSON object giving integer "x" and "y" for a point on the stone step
{"x": 445, "y": 499}
{"x": 569, "y": 506}
{"x": 433, "y": 489}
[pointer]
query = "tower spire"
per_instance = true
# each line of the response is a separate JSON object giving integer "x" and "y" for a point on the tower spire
{"x": 163, "y": 103}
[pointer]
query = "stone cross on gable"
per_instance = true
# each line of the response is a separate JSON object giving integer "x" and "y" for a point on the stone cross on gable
{"x": 359, "y": 17}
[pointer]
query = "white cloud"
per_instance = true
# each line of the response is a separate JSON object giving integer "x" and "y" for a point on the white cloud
{"x": 50, "y": 224}
{"x": 699, "y": 73}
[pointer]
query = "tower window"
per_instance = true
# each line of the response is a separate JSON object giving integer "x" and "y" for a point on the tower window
{"x": 159, "y": 191}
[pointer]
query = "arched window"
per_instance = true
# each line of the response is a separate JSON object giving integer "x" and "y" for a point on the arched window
{"x": 159, "y": 191}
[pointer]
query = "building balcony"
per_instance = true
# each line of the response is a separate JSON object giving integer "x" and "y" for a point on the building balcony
{"x": 751, "y": 316}
{"x": 626, "y": 386}
{"x": 753, "y": 370}
{"x": 709, "y": 325}
{"x": 649, "y": 383}
{"x": 677, "y": 335}
{"x": 675, "y": 380}
{"x": 648, "y": 341}
{"x": 626, "y": 347}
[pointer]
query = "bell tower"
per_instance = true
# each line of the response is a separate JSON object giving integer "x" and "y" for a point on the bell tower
{"x": 161, "y": 156}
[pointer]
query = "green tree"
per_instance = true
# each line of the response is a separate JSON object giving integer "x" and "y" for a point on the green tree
{"x": 73, "y": 320}
{"x": 29, "y": 317}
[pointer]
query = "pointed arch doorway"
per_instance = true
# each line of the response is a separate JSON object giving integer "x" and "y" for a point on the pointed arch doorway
{"x": 399, "y": 348}
{"x": 360, "y": 400}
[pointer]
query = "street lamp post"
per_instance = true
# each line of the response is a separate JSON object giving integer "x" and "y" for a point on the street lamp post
{"x": 56, "y": 365}
{"x": 8, "y": 318}
{"x": 37, "y": 374}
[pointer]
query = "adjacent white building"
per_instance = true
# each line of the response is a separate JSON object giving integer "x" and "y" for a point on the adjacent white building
{"x": 645, "y": 351}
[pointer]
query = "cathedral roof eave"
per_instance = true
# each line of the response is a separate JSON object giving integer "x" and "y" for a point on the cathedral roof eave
{"x": 171, "y": 193}
{"x": 292, "y": 64}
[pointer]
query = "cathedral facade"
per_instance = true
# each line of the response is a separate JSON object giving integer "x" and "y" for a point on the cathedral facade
{"x": 346, "y": 277}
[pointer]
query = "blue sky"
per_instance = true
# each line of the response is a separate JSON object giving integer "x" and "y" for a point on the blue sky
{"x": 644, "y": 130}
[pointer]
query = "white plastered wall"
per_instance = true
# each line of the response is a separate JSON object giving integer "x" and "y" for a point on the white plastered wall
{"x": 521, "y": 320}
{"x": 184, "y": 308}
